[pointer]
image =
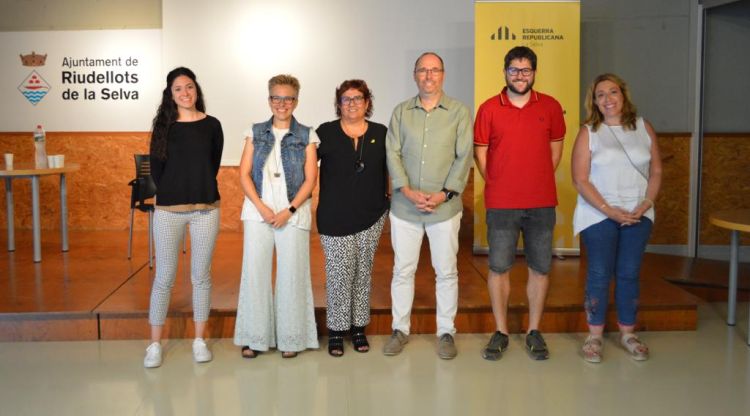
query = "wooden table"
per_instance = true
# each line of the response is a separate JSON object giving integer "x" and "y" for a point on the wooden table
{"x": 735, "y": 220}
{"x": 29, "y": 170}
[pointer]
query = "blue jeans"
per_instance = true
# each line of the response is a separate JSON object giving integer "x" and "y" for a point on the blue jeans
{"x": 614, "y": 251}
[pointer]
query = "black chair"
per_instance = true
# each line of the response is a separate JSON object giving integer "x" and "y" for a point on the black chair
{"x": 143, "y": 188}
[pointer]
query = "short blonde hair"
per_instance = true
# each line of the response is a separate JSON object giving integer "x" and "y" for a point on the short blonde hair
{"x": 284, "y": 79}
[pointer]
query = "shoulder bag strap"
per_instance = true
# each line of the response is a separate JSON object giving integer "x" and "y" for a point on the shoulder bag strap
{"x": 612, "y": 132}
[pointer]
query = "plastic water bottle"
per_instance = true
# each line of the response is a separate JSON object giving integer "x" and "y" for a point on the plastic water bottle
{"x": 40, "y": 149}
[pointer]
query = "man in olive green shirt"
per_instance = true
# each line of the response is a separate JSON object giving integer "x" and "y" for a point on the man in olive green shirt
{"x": 429, "y": 152}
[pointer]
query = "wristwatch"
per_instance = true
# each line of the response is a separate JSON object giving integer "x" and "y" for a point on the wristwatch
{"x": 292, "y": 209}
{"x": 449, "y": 194}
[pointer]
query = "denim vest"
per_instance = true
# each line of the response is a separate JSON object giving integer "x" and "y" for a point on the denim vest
{"x": 293, "y": 146}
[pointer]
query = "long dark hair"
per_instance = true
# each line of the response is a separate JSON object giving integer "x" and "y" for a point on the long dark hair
{"x": 166, "y": 115}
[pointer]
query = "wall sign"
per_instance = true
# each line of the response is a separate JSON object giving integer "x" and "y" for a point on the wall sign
{"x": 103, "y": 80}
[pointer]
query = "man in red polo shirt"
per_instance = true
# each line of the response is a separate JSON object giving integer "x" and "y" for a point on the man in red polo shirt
{"x": 518, "y": 142}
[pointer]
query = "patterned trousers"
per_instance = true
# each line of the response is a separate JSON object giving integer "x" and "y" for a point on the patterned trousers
{"x": 169, "y": 228}
{"x": 349, "y": 262}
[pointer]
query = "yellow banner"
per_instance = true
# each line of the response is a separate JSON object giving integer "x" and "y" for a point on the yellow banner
{"x": 552, "y": 30}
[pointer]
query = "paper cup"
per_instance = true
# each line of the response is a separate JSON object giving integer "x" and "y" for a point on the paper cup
{"x": 9, "y": 161}
{"x": 51, "y": 161}
{"x": 59, "y": 161}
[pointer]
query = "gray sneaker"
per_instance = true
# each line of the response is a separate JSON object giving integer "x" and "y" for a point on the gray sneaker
{"x": 535, "y": 346}
{"x": 396, "y": 343}
{"x": 493, "y": 351}
{"x": 446, "y": 348}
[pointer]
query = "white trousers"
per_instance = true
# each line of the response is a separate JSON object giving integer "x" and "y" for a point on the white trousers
{"x": 286, "y": 320}
{"x": 406, "y": 239}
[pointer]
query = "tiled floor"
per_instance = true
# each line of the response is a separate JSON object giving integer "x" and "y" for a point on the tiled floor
{"x": 706, "y": 372}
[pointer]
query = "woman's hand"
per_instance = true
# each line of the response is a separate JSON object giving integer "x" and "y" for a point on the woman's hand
{"x": 621, "y": 216}
{"x": 281, "y": 218}
{"x": 641, "y": 209}
{"x": 266, "y": 213}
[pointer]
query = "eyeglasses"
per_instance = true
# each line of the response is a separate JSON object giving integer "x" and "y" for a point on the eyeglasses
{"x": 425, "y": 71}
{"x": 513, "y": 71}
{"x": 356, "y": 100}
{"x": 278, "y": 99}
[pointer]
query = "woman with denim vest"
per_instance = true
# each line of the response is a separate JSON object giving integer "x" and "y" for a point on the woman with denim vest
{"x": 278, "y": 171}
{"x": 617, "y": 172}
{"x": 351, "y": 211}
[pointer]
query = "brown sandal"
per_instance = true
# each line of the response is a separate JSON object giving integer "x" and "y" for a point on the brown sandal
{"x": 288, "y": 354}
{"x": 248, "y": 352}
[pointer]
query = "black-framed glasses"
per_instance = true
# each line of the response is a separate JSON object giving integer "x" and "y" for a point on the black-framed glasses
{"x": 425, "y": 71}
{"x": 356, "y": 100}
{"x": 279, "y": 99}
{"x": 513, "y": 71}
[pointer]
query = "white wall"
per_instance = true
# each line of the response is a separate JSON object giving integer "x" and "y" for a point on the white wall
{"x": 649, "y": 42}
{"x": 234, "y": 49}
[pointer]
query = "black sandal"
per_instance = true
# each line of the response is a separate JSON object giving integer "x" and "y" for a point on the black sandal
{"x": 335, "y": 343}
{"x": 248, "y": 352}
{"x": 359, "y": 339}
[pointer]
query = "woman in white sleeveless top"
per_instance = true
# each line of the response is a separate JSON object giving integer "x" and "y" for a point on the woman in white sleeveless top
{"x": 617, "y": 172}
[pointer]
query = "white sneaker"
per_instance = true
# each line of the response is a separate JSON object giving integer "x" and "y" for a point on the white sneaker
{"x": 201, "y": 354}
{"x": 153, "y": 356}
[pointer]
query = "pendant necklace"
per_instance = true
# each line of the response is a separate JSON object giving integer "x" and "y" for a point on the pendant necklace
{"x": 359, "y": 164}
{"x": 276, "y": 171}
